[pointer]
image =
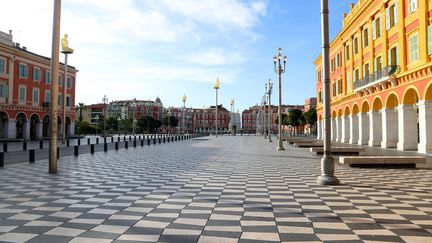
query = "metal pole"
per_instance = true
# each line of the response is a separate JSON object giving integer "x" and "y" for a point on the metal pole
{"x": 64, "y": 100}
{"x": 280, "y": 142}
{"x": 183, "y": 125}
{"x": 216, "y": 113}
{"x": 55, "y": 52}
{"x": 269, "y": 112}
{"x": 327, "y": 163}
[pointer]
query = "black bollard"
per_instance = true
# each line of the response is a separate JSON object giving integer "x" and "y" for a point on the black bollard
{"x": 126, "y": 145}
{"x": 76, "y": 152}
{"x": 112, "y": 139}
{"x": 124, "y": 138}
{"x": 24, "y": 145}
{"x": 118, "y": 139}
{"x": 1, "y": 159}
{"x": 154, "y": 140}
{"x": 67, "y": 143}
{"x": 5, "y": 148}
{"x": 97, "y": 140}
{"x": 148, "y": 142}
{"x": 142, "y": 142}
{"x": 31, "y": 156}
{"x": 105, "y": 147}
{"x": 116, "y": 145}
{"x": 79, "y": 141}
{"x": 88, "y": 141}
{"x": 41, "y": 144}
{"x": 58, "y": 152}
{"x": 134, "y": 138}
{"x": 92, "y": 148}
{"x": 134, "y": 143}
{"x": 104, "y": 139}
{"x": 130, "y": 138}
{"x": 164, "y": 140}
{"x": 160, "y": 140}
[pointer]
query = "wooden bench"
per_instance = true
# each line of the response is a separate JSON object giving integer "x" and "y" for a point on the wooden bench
{"x": 300, "y": 140}
{"x": 308, "y": 144}
{"x": 410, "y": 161}
{"x": 339, "y": 150}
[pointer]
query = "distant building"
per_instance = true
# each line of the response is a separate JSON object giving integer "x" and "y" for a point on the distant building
{"x": 135, "y": 109}
{"x": 25, "y": 93}
{"x": 309, "y": 104}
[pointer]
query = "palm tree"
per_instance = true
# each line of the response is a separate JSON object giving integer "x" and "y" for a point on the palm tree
{"x": 81, "y": 107}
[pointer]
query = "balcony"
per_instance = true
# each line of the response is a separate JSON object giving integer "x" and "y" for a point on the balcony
{"x": 378, "y": 79}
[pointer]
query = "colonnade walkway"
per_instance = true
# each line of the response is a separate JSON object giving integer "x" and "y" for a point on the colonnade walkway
{"x": 225, "y": 189}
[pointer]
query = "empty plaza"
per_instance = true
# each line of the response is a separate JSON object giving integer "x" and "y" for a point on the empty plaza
{"x": 224, "y": 189}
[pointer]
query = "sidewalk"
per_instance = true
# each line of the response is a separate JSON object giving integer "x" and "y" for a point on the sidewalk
{"x": 225, "y": 189}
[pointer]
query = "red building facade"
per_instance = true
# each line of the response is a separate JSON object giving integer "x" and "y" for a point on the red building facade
{"x": 25, "y": 93}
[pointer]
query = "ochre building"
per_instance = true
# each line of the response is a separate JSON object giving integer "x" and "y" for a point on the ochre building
{"x": 381, "y": 76}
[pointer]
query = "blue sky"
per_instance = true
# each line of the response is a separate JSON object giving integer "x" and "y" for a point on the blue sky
{"x": 146, "y": 48}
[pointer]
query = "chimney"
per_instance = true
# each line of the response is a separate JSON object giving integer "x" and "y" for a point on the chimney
{"x": 10, "y": 32}
{"x": 17, "y": 45}
{"x": 344, "y": 15}
{"x": 24, "y": 48}
{"x": 352, "y": 6}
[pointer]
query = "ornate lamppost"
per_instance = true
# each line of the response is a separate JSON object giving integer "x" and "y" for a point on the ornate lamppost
{"x": 269, "y": 90}
{"x": 97, "y": 124}
{"x": 105, "y": 102}
{"x": 327, "y": 176}
{"x": 66, "y": 51}
{"x": 183, "y": 116}
{"x": 118, "y": 125}
{"x": 216, "y": 87}
{"x": 279, "y": 70}
{"x": 232, "y": 117}
{"x": 264, "y": 102}
{"x": 133, "y": 105}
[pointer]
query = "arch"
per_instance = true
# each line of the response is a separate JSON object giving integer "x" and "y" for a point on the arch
{"x": 4, "y": 119}
{"x": 392, "y": 101}
{"x": 320, "y": 117}
{"x": 333, "y": 114}
{"x": 34, "y": 120}
{"x": 365, "y": 106}
{"x": 340, "y": 112}
{"x": 410, "y": 96}
{"x": 377, "y": 104}
{"x": 347, "y": 111}
{"x": 21, "y": 121}
{"x": 46, "y": 126}
{"x": 68, "y": 122}
{"x": 428, "y": 92}
{"x": 355, "y": 109}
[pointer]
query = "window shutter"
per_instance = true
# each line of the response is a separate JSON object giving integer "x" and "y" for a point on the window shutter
{"x": 375, "y": 65}
{"x": 429, "y": 40}
{"x": 387, "y": 18}
{"x": 26, "y": 71}
{"x": 373, "y": 30}
{"x": 397, "y": 56}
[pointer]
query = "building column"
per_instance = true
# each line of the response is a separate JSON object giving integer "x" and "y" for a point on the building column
{"x": 345, "y": 129}
{"x": 26, "y": 130}
{"x": 339, "y": 128}
{"x": 425, "y": 126}
{"x": 407, "y": 121}
{"x": 363, "y": 128}
{"x": 71, "y": 129}
{"x": 39, "y": 130}
{"x": 333, "y": 129}
{"x": 389, "y": 128}
{"x": 375, "y": 131}
{"x": 353, "y": 131}
{"x": 319, "y": 130}
{"x": 10, "y": 128}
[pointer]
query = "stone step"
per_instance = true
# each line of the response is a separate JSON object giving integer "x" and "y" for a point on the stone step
{"x": 382, "y": 160}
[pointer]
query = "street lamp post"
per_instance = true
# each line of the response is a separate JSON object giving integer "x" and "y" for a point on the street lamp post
{"x": 133, "y": 105}
{"x": 183, "y": 116}
{"x": 66, "y": 51}
{"x": 233, "y": 133}
{"x": 105, "y": 102}
{"x": 54, "y": 88}
{"x": 97, "y": 124}
{"x": 269, "y": 90}
{"x": 327, "y": 163}
{"x": 279, "y": 70}
{"x": 216, "y": 87}
{"x": 264, "y": 115}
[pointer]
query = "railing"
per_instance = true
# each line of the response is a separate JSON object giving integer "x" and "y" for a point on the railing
{"x": 368, "y": 79}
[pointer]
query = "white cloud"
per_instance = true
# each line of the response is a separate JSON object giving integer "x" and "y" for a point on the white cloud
{"x": 214, "y": 56}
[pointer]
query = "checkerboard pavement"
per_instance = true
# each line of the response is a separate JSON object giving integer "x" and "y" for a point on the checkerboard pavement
{"x": 225, "y": 189}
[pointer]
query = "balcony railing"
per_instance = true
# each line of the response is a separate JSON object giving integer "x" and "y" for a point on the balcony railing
{"x": 376, "y": 77}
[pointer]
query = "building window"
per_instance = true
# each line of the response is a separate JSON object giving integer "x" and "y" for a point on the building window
{"x": 36, "y": 74}
{"x": 356, "y": 75}
{"x": 366, "y": 70}
{"x": 355, "y": 44}
{"x": 377, "y": 64}
{"x": 332, "y": 65}
{"x": 412, "y": 6}
{"x": 60, "y": 100}
{"x": 68, "y": 101}
{"x": 414, "y": 48}
{"x": 365, "y": 37}
{"x": 429, "y": 34}
{"x": 47, "y": 77}
{"x": 376, "y": 28}
{"x": 393, "y": 56}
{"x": 340, "y": 89}
{"x": 334, "y": 89}
{"x": 348, "y": 77}
{"x": 47, "y": 97}
{"x": 2, "y": 65}
{"x": 320, "y": 96}
{"x": 23, "y": 71}
{"x": 391, "y": 16}
{"x": 347, "y": 54}
{"x": 69, "y": 82}
{"x": 3, "y": 90}
{"x": 35, "y": 96}
{"x": 22, "y": 94}
{"x": 60, "y": 80}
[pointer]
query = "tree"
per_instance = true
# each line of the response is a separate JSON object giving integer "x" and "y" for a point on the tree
{"x": 170, "y": 121}
{"x": 148, "y": 123}
{"x": 112, "y": 124}
{"x": 83, "y": 127}
{"x": 81, "y": 107}
{"x": 295, "y": 119}
{"x": 311, "y": 118}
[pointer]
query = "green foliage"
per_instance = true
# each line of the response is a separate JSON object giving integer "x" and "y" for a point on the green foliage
{"x": 310, "y": 116}
{"x": 170, "y": 121}
{"x": 81, "y": 107}
{"x": 83, "y": 127}
{"x": 148, "y": 123}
